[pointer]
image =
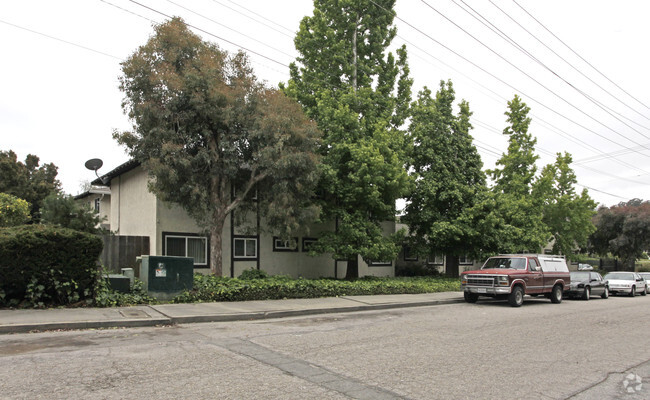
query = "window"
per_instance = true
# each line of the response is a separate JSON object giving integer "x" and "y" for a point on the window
{"x": 380, "y": 264}
{"x": 408, "y": 256}
{"x": 285, "y": 245}
{"x": 465, "y": 260}
{"x": 307, "y": 242}
{"x": 187, "y": 245}
{"x": 245, "y": 247}
{"x": 435, "y": 259}
{"x": 97, "y": 203}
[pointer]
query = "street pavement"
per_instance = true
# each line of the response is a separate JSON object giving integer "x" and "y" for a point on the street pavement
{"x": 17, "y": 321}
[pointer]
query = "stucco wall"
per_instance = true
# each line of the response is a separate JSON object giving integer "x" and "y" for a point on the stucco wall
{"x": 133, "y": 208}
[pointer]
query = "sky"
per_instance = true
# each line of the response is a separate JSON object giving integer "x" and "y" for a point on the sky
{"x": 580, "y": 65}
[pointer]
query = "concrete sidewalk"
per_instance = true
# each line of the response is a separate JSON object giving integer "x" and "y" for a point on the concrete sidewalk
{"x": 14, "y": 321}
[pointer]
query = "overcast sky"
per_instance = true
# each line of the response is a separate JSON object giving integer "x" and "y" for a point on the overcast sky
{"x": 583, "y": 72}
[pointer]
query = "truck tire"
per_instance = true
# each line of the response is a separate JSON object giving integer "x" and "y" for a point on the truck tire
{"x": 516, "y": 297}
{"x": 470, "y": 297}
{"x": 556, "y": 294}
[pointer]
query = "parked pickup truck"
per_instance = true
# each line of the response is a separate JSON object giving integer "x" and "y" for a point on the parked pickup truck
{"x": 511, "y": 276}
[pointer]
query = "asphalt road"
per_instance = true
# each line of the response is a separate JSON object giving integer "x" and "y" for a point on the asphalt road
{"x": 597, "y": 349}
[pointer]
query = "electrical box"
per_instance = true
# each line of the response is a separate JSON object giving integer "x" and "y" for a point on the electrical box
{"x": 164, "y": 276}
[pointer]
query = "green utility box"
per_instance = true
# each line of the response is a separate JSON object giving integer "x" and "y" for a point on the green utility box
{"x": 164, "y": 276}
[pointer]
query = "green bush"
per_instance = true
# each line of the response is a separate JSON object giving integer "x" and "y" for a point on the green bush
{"x": 208, "y": 288}
{"x": 253, "y": 274}
{"x": 45, "y": 265}
{"x": 107, "y": 297}
{"x": 13, "y": 211}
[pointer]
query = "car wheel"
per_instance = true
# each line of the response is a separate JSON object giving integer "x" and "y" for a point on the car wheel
{"x": 516, "y": 297}
{"x": 556, "y": 294}
{"x": 605, "y": 293}
{"x": 587, "y": 293}
{"x": 645, "y": 290}
{"x": 633, "y": 291}
{"x": 471, "y": 297}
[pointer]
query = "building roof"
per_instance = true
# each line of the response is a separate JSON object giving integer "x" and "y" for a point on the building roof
{"x": 105, "y": 180}
{"x": 94, "y": 190}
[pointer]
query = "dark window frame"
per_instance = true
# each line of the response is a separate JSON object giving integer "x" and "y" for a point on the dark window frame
{"x": 235, "y": 238}
{"x": 187, "y": 235}
{"x": 294, "y": 249}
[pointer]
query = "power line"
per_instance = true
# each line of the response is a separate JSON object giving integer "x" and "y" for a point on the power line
{"x": 574, "y": 52}
{"x": 567, "y": 62}
{"x": 533, "y": 79}
{"x": 62, "y": 40}
{"x": 253, "y": 19}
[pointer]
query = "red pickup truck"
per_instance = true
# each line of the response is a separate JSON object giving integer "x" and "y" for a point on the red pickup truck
{"x": 511, "y": 276}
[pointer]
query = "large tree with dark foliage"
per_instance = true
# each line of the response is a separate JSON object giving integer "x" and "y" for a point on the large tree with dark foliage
{"x": 28, "y": 180}
{"x": 622, "y": 230}
{"x": 210, "y": 135}
{"x": 358, "y": 92}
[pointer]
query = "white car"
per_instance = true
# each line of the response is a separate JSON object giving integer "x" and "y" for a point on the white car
{"x": 629, "y": 283}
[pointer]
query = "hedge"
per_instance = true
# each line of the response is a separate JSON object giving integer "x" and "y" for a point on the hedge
{"x": 47, "y": 265}
{"x": 209, "y": 288}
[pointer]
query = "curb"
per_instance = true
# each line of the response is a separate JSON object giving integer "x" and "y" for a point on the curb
{"x": 169, "y": 320}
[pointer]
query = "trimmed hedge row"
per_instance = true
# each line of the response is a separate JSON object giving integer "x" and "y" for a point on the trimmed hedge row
{"x": 209, "y": 288}
{"x": 47, "y": 265}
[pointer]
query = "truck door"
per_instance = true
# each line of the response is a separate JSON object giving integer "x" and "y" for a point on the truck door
{"x": 535, "y": 277}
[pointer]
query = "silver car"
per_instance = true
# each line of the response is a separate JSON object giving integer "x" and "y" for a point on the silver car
{"x": 629, "y": 283}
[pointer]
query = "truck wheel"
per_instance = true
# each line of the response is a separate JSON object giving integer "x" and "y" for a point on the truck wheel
{"x": 605, "y": 293}
{"x": 516, "y": 297}
{"x": 470, "y": 297}
{"x": 556, "y": 294}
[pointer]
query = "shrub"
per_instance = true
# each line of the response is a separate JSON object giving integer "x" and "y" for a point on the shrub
{"x": 210, "y": 288}
{"x": 253, "y": 274}
{"x": 13, "y": 211}
{"x": 107, "y": 297}
{"x": 45, "y": 265}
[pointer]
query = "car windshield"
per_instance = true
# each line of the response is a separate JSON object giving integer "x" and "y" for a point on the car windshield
{"x": 579, "y": 276}
{"x": 505, "y": 262}
{"x": 624, "y": 276}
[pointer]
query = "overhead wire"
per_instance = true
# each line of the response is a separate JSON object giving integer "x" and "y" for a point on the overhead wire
{"x": 539, "y": 83}
{"x": 578, "y": 70}
{"x": 579, "y": 56}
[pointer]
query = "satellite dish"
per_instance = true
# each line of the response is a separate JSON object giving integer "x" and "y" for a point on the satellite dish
{"x": 94, "y": 164}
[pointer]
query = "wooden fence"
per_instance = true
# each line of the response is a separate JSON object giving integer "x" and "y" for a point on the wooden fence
{"x": 121, "y": 251}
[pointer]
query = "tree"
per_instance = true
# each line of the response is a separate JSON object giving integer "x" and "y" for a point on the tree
{"x": 28, "y": 180}
{"x": 622, "y": 230}
{"x": 448, "y": 176}
{"x": 209, "y": 135}
{"x": 567, "y": 214}
{"x": 13, "y": 211}
{"x": 359, "y": 95}
{"x": 513, "y": 180}
{"x": 64, "y": 211}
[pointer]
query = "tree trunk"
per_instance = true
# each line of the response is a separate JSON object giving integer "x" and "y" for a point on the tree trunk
{"x": 451, "y": 266}
{"x": 352, "y": 271}
{"x": 216, "y": 247}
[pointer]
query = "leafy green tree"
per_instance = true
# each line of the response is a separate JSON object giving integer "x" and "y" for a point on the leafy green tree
{"x": 28, "y": 180}
{"x": 448, "y": 176}
{"x": 622, "y": 230}
{"x": 359, "y": 94}
{"x": 513, "y": 179}
{"x": 567, "y": 214}
{"x": 13, "y": 211}
{"x": 210, "y": 135}
{"x": 64, "y": 211}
